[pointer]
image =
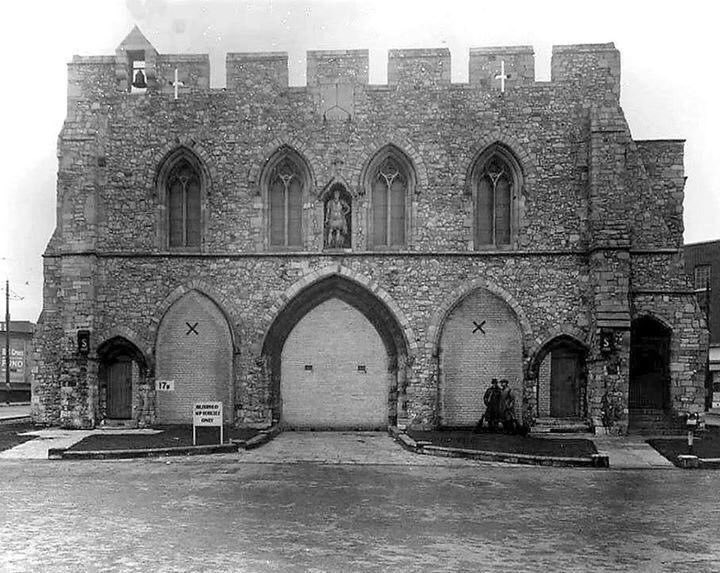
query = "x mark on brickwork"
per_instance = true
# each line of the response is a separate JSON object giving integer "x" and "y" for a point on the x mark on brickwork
{"x": 479, "y": 326}
{"x": 191, "y": 328}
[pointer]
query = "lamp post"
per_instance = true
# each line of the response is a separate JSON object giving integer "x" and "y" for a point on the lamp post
{"x": 691, "y": 423}
{"x": 7, "y": 341}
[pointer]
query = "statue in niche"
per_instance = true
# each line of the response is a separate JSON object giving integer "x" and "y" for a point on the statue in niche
{"x": 337, "y": 234}
{"x": 139, "y": 81}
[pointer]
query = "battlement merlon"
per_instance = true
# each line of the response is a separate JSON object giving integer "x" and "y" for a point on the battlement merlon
{"x": 419, "y": 67}
{"x": 337, "y": 66}
{"x": 517, "y": 62}
{"x": 591, "y": 67}
{"x": 264, "y": 71}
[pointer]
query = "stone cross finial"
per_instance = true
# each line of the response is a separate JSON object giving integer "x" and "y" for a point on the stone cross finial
{"x": 502, "y": 77}
{"x": 176, "y": 84}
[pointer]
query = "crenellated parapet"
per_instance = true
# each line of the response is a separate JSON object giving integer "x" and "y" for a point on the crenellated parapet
{"x": 137, "y": 68}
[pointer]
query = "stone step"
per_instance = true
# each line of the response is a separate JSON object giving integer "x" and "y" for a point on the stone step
{"x": 561, "y": 426}
{"x": 115, "y": 424}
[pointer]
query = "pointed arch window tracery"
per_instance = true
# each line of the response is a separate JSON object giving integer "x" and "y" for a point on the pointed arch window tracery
{"x": 495, "y": 191}
{"x": 390, "y": 183}
{"x": 285, "y": 187}
{"x": 183, "y": 187}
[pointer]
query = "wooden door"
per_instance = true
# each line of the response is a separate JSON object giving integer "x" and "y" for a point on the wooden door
{"x": 119, "y": 390}
{"x": 564, "y": 384}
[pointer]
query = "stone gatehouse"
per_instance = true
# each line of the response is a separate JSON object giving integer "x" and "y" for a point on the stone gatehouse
{"x": 351, "y": 255}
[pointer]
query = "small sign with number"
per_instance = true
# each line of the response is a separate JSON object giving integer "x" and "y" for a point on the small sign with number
{"x": 165, "y": 385}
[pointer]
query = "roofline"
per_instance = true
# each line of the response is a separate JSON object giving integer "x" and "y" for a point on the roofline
{"x": 714, "y": 241}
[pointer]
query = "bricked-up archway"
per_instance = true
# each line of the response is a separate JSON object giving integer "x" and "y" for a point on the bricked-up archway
{"x": 194, "y": 355}
{"x": 481, "y": 339}
{"x": 348, "y": 297}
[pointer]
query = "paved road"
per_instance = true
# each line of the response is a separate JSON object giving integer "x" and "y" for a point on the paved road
{"x": 13, "y": 411}
{"x": 216, "y": 514}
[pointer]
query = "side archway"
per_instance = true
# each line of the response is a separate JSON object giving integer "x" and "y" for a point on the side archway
{"x": 194, "y": 358}
{"x": 480, "y": 333}
{"x": 650, "y": 347}
{"x": 560, "y": 371}
{"x": 123, "y": 372}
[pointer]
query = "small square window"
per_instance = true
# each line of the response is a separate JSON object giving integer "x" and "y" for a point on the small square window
{"x": 702, "y": 277}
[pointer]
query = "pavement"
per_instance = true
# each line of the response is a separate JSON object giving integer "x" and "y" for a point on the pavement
{"x": 14, "y": 412}
{"x": 37, "y": 449}
{"x": 212, "y": 513}
{"x": 344, "y": 448}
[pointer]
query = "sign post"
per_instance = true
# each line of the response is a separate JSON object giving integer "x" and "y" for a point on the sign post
{"x": 207, "y": 414}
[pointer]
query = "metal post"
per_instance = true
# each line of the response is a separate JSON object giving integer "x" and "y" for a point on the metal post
{"x": 7, "y": 340}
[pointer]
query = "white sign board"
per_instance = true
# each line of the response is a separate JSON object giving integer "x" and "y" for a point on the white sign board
{"x": 165, "y": 385}
{"x": 208, "y": 414}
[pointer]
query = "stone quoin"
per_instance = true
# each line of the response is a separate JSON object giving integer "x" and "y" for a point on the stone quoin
{"x": 343, "y": 255}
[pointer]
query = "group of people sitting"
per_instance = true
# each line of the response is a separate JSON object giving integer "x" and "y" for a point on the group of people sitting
{"x": 499, "y": 402}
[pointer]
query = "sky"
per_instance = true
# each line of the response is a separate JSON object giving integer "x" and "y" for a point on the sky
{"x": 668, "y": 53}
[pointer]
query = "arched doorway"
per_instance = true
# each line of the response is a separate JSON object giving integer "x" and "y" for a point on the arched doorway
{"x": 649, "y": 364}
{"x": 122, "y": 367}
{"x": 194, "y": 357}
{"x": 561, "y": 379}
{"x": 481, "y": 339}
{"x": 334, "y": 352}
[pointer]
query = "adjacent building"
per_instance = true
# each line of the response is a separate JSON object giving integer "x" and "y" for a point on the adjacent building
{"x": 20, "y": 361}
{"x": 702, "y": 264}
{"x": 349, "y": 255}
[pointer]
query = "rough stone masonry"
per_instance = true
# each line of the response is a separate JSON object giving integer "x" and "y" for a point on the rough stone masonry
{"x": 519, "y": 234}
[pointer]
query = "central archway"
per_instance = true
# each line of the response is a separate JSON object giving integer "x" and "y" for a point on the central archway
{"x": 337, "y": 357}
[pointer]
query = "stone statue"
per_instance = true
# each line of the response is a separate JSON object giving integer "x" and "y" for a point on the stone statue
{"x": 336, "y": 212}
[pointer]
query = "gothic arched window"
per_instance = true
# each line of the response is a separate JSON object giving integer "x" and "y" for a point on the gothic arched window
{"x": 390, "y": 182}
{"x": 285, "y": 190}
{"x": 183, "y": 205}
{"x": 495, "y": 188}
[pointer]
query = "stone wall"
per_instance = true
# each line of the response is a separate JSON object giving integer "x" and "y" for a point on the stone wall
{"x": 586, "y": 249}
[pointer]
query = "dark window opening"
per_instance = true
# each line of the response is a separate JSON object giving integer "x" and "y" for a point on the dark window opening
{"x": 184, "y": 206}
{"x": 286, "y": 205}
{"x": 493, "y": 204}
{"x": 389, "y": 188}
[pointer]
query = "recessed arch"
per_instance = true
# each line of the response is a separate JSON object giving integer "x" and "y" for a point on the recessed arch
{"x": 455, "y": 297}
{"x": 650, "y": 349}
{"x": 122, "y": 369}
{"x": 559, "y": 371}
{"x": 224, "y": 305}
{"x": 194, "y": 358}
{"x": 322, "y": 288}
